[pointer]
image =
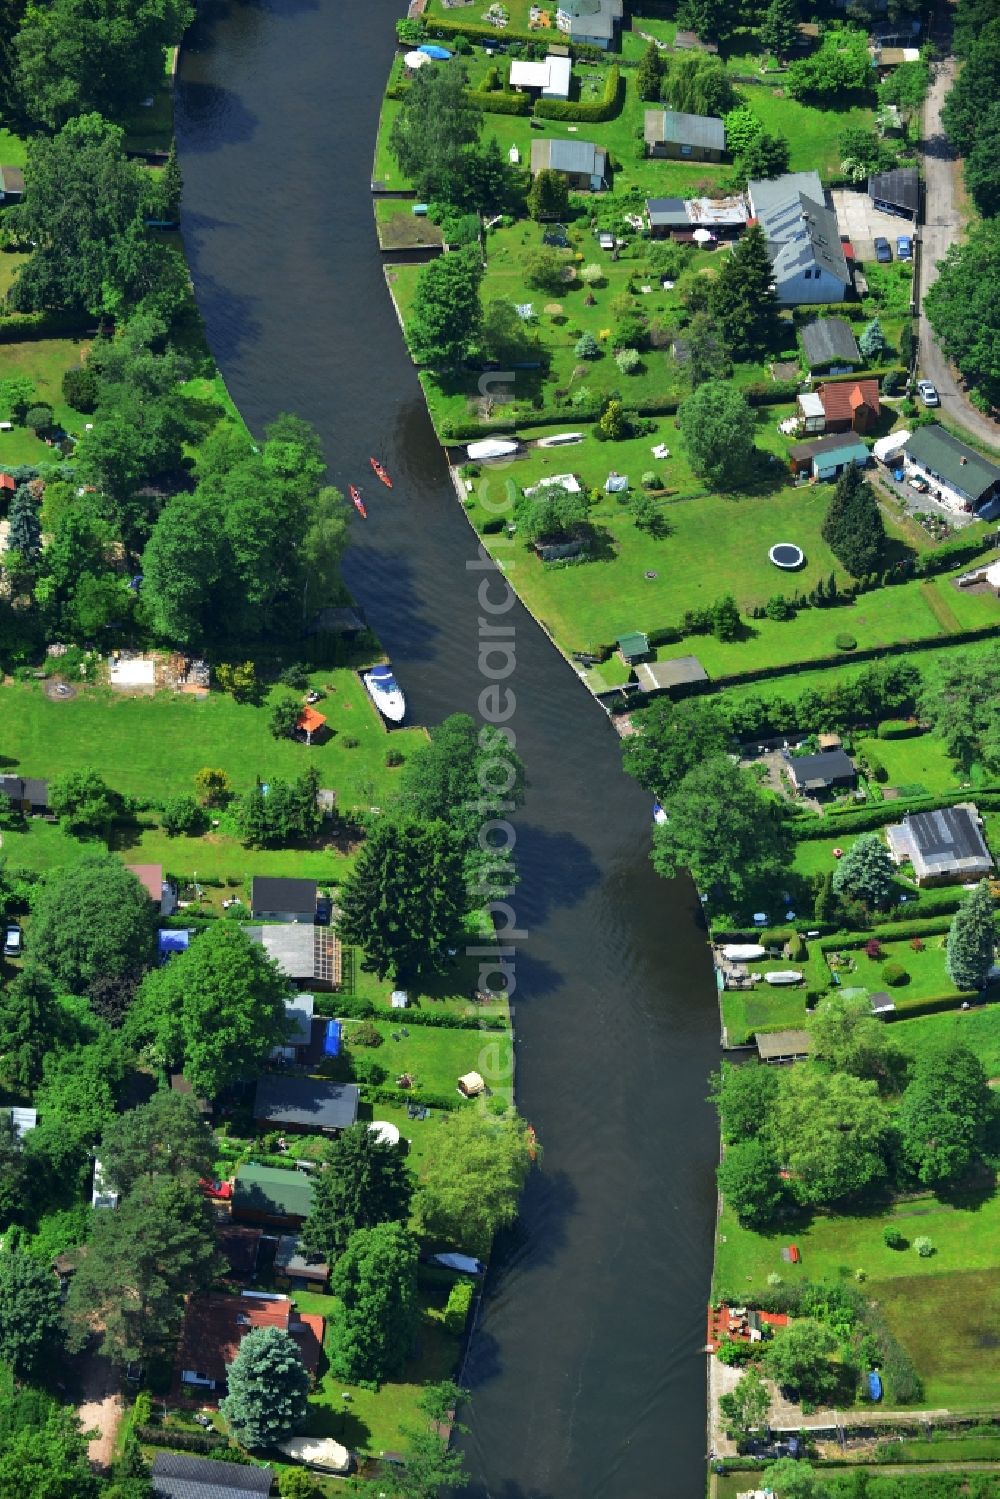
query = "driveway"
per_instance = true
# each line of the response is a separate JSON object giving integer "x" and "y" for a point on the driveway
{"x": 941, "y": 229}
{"x": 862, "y": 222}
{"x": 101, "y": 1409}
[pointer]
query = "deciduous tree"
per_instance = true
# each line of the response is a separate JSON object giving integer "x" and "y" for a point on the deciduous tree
{"x": 717, "y": 428}
{"x": 365, "y": 1181}
{"x": 268, "y": 1384}
{"x": 964, "y": 306}
{"x": 433, "y": 130}
{"x": 832, "y": 1133}
{"x": 766, "y": 156}
{"x": 472, "y": 1183}
{"x": 746, "y": 1408}
{"x": 444, "y": 320}
{"x": 93, "y": 917}
{"x": 946, "y": 1114}
{"x": 846, "y": 1034}
{"x": 750, "y": 1181}
{"x": 673, "y": 738}
{"x": 799, "y": 1359}
{"x": 166, "y": 1136}
{"x": 84, "y": 801}
{"x": 30, "y": 1314}
{"x": 840, "y": 65}
{"x": 723, "y": 829}
{"x": 742, "y": 1095}
{"x": 376, "y": 1280}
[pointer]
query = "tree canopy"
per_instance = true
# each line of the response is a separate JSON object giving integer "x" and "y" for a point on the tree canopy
{"x": 473, "y": 1180}
{"x": 799, "y": 1359}
{"x": 674, "y": 736}
{"x": 840, "y": 65}
{"x": 552, "y": 513}
{"x": 960, "y": 696}
{"x": 749, "y": 1179}
{"x": 972, "y": 940}
{"x": 963, "y": 306}
{"x": 831, "y": 1131}
{"x": 846, "y": 1034}
{"x": 742, "y": 297}
{"x": 30, "y": 1314}
{"x": 853, "y": 527}
{"x": 376, "y": 1281}
{"x": 976, "y": 86}
{"x": 866, "y": 871}
{"x": 93, "y": 917}
{"x": 742, "y": 1095}
{"x": 945, "y": 1114}
{"x": 717, "y": 430}
{"x": 444, "y": 322}
{"x": 166, "y": 1136}
{"x": 267, "y": 1388}
{"x": 365, "y": 1181}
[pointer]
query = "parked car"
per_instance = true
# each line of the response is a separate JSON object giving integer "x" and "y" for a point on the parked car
{"x": 920, "y": 485}
{"x": 324, "y": 910}
{"x": 13, "y": 941}
{"x": 883, "y": 250}
{"x": 904, "y": 247}
{"x": 927, "y": 392}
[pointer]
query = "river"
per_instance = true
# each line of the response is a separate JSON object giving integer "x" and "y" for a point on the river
{"x": 586, "y": 1369}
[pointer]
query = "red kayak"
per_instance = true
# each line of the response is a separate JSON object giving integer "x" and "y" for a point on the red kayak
{"x": 357, "y": 501}
{"x": 380, "y": 472}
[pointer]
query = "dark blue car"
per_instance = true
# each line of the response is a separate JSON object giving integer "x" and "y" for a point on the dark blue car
{"x": 883, "y": 250}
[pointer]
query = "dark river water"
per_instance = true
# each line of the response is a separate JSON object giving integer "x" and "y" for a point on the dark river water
{"x": 586, "y": 1370}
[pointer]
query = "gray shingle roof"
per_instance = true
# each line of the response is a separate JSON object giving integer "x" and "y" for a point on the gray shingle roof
{"x": 946, "y": 837}
{"x": 821, "y": 770}
{"x": 901, "y": 188}
{"x": 573, "y": 157}
{"x": 306, "y": 1101}
{"x": 769, "y": 192}
{"x": 667, "y": 212}
{"x": 959, "y": 466}
{"x": 829, "y": 340}
{"x": 830, "y": 442}
{"x": 275, "y": 894}
{"x": 706, "y": 131}
{"x": 25, "y": 789}
{"x": 177, "y": 1476}
{"x": 802, "y": 233}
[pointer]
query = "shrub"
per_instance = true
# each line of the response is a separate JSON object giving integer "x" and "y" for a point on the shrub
{"x": 917, "y": 944}
{"x": 183, "y": 815}
{"x": 80, "y": 388}
{"x": 873, "y": 949}
{"x": 923, "y": 1246}
{"x": 650, "y": 480}
{"x": 845, "y": 642}
{"x": 367, "y": 1033}
{"x": 628, "y": 361}
{"x": 570, "y": 109}
{"x": 365, "y": 1069}
{"x": 350, "y": 741}
{"x": 456, "y": 1313}
{"x": 894, "y": 974}
{"x": 774, "y": 1279}
{"x": 295, "y": 676}
{"x": 39, "y": 418}
{"x": 587, "y": 347}
{"x": 892, "y": 1238}
{"x": 394, "y": 757}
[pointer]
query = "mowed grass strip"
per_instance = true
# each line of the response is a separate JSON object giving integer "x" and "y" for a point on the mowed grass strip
{"x": 949, "y": 1324}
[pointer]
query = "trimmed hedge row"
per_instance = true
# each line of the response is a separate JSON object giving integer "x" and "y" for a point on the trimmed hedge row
{"x": 24, "y": 327}
{"x": 498, "y": 103}
{"x": 885, "y": 812}
{"x": 602, "y": 109}
{"x": 375, "y": 1093}
{"x": 187, "y": 1441}
{"x": 354, "y": 1007}
{"x": 444, "y": 29}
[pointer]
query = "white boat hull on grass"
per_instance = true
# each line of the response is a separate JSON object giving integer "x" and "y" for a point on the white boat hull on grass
{"x": 384, "y": 691}
{"x": 783, "y": 976}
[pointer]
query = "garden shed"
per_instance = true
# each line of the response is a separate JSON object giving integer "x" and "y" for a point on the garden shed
{"x": 666, "y": 676}
{"x": 633, "y": 647}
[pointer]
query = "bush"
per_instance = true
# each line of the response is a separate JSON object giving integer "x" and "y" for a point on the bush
{"x": 894, "y": 974}
{"x": 917, "y": 944}
{"x": 923, "y": 1246}
{"x": 456, "y": 1313}
{"x": 896, "y": 728}
{"x": 183, "y": 816}
{"x": 366, "y": 1034}
{"x": 892, "y": 1238}
{"x": 365, "y": 1069}
{"x": 650, "y": 480}
{"x": 393, "y": 758}
{"x": 873, "y": 949}
{"x": 39, "y": 418}
{"x": 296, "y": 676}
{"x": 80, "y": 388}
{"x": 628, "y": 361}
{"x": 350, "y": 741}
{"x": 499, "y": 103}
{"x": 845, "y": 642}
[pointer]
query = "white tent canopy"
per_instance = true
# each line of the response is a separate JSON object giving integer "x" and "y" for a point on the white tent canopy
{"x": 385, "y": 1132}
{"x": 492, "y": 447}
{"x": 416, "y": 59}
{"x": 743, "y": 952}
{"x": 318, "y": 1452}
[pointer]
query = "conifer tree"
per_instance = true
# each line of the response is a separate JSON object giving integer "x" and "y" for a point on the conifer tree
{"x": 25, "y": 535}
{"x": 853, "y": 527}
{"x": 780, "y": 28}
{"x": 972, "y": 939}
{"x": 742, "y": 298}
{"x": 649, "y": 75}
{"x": 268, "y": 1384}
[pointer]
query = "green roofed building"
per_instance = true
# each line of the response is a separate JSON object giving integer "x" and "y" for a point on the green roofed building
{"x": 633, "y": 647}
{"x": 267, "y": 1194}
{"x": 958, "y": 476}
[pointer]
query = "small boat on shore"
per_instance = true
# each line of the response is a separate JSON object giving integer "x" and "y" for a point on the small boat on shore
{"x": 492, "y": 447}
{"x": 743, "y": 952}
{"x": 783, "y": 976}
{"x": 559, "y": 438}
{"x": 380, "y": 472}
{"x": 659, "y": 815}
{"x": 357, "y": 501}
{"x": 384, "y": 691}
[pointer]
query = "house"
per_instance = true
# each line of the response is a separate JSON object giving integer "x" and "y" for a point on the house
{"x": 783, "y": 1046}
{"x": 664, "y": 676}
{"x": 633, "y": 647}
{"x": 844, "y": 406}
{"x": 177, "y": 1476}
{"x": 584, "y": 165}
{"x": 215, "y": 1326}
{"x": 826, "y": 457}
{"x": 944, "y": 847}
{"x": 309, "y": 955}
{"x": 829, "y": 344}
{"x": 959, "y": 477}
{"x": 668, "y": 218}
{"x": 271, "y": 1195}
{"x": 823, "y": 772}
{"x": 296, "y": 1269}
{"x": 682, "y": 136}
{"x": 22, "y": 1120}
{"x": 896, "y": 192}
{"x": 299, "y": 1022}
{"x": 592, "y": 23}
{"x": 803, "y": 239}
{"x": 26, "y": 794}
{"x": 11, "y": 184}
{"x": 159, "y": 890}
{"x": 304, "y": 1104}
{"x": 549, "y": 79}
{"x": 282, "y": 899}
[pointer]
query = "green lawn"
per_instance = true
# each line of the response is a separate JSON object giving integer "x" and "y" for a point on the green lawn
{"x": 764, "y": 1008}
{"x": 13, "y": 148}
{"x": 978, "y": 1029}
{"x": 153, "y": 746}
{"x": 948, "y": 1325}
{"x": 436, "y": 1057}
{"x": 921, "y": 760}
{"x": 44, "y": 361}
{"x": 927, "y": 975}
{"x": 151, "y": 128}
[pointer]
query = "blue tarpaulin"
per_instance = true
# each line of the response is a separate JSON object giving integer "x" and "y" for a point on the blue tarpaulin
{"x": 433, "y": 50}
{"x": 331, "y": 1041}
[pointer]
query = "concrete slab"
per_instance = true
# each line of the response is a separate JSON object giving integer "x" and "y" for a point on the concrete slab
{"x": 861, "y": 222}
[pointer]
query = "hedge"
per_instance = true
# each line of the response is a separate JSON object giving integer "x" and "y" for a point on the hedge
{"x": 378, "y": 1093}
{"x": 867, "y": 817}
{"x": 187, "y": 1441}
{"x": 603, "y": 109}
{"x": 498, "y": 103}
{"x": 23, "y": 327}
{"x": 445, "y": 29}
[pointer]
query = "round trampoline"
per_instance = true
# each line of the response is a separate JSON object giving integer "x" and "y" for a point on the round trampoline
{"x": 787, "y": 555}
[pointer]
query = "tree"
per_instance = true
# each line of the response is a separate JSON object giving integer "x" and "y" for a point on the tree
{"x": 45, "y": 1453}
{"x": 831, "y": 1131}
{"x": 750, "y": 1181}
{"x": 972, "y": 939}
{"x": 213, "y": 786}
{"x": 84, "y": 801}
{"x": 433, "y": 131}
{"x": 297, "y": 1483}
{"x": 444, "y": 321}
{"x": 960, "y": 697}
{"x": 32, "y": 1023}
{"x": 267, "y": 1388}
{"x": 82, "y": 214}
{"x": 216, "y": 1010}
{"x": 504, "y": 337}
{"x": 30, "y": 1314}
{"x": 376, "y": 1280}
{"x": 472, "y": 1184}
{"x": 863, "y": 151}
{"x": 430, "y": 1466}
{"x": 873, "y": 341}
{"x": 743, "y": 127}
{"x": 79, "y": 1094}
{"x": 865, "y": 872}
{"x": 982, "y": 170}
{"x": 551, "y": 513}
{"x": 906, "y": 86}
{"x": 649, "y": 75}
{"x": 945, "y": 1114}
{"x": 721, "y": 828}
{"x": 17, "y": 395}
{"x": 708, "y": 353}
{"x": 974, "y": 89}
{"x": 166, "y": 1137}
{"x": 964, "y": 307}
{"x": 853, "y": 527}
{"x": 183, "y": 815}
{"x": 713, "y": 20}
{"x": 799, "y": 1360}
{"x": 168, "y": 186}
{"x": 742, "y": 297}
{"x": 792, "y": 1479}
{"x": 406, "y": 899}
{"x": 747, "y": 1407}
{"x": 93, "y": 917}
{"x": 283, "y": 719}
{"x": 717, "y": 428}
{"x": 846, "y": 1034}
{"x": 545, "y": 269}
{"x": 286, "y": 812}
{"x": 765, "y": 157}
{"x": 134, "y": 438}
{"x": 587, "y": 347}
{"x": 142, "y": 1260}
{"x": 25, "y": 533}
{"x": 73, "y": 58}
{"x": 779, "y": 30}
{"x": 742, "y": 1095}
{"x": 14, "y": 1173}
{"x": 548, "y": 196}
{"x": 840, "y": 65}
{"x": 365, "y": 1181}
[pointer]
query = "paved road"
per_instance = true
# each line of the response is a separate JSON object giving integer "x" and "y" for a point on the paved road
{"x": 941, "y": 229}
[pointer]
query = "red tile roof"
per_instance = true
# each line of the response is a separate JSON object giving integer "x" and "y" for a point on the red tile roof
{"x": 841, "y": 398}
{"x": 214, "y": 1327}
{"x": 7, "y": 481}
{"x": 151, "y": 876}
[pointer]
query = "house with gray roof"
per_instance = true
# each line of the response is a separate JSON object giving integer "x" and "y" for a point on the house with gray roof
{"x": 27, "y": 794}
{"x": 770, "y": 192}
{"x": 177, "y": 1476}
{"x": 667, "y": 216}
{"x": 945, "y": 847}
{"x": 584, "y": 165}
{"x": 829, "y": 345}
{"x": 590, "y": 22}
{"x": 896, "y": 192}
{"x": 684, "y": 137}
{"x": 959, "y": 477}
{"x": 305, "y": 1104}
{"x": 803, "y": 240}
{"x": 11, "y": 184}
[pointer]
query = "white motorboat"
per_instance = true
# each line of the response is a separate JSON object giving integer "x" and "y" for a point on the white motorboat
{"x": 384, "y": 691}
{"x": 559, "y": 438}
{"x": 743, "y": 952}
{"x": 783, "y": 976}
{"x": 659, "y": 815}
{"x": 492, "y": 447}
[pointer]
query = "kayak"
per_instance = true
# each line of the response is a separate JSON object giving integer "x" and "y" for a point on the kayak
{"x": 357, "y": 501}
{"x": 380, "y": 472}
